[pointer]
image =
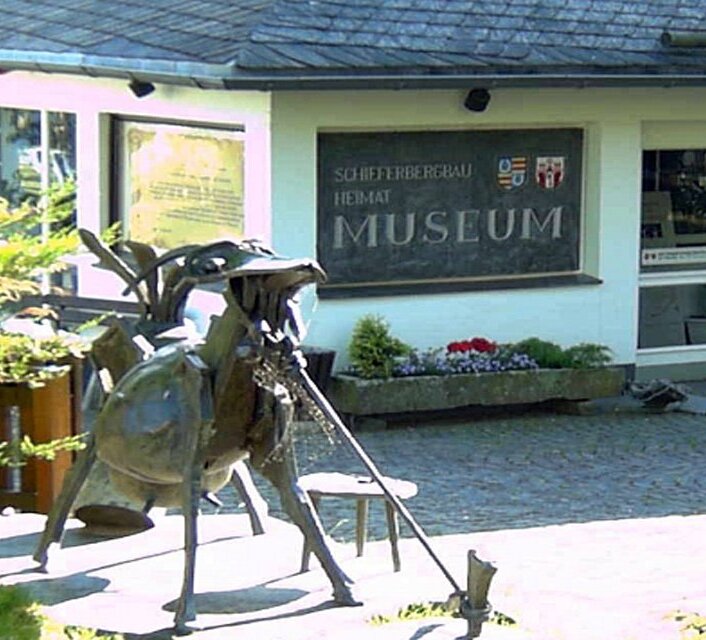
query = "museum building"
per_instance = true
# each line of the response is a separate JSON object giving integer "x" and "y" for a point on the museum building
{"x": 505, "y": 170}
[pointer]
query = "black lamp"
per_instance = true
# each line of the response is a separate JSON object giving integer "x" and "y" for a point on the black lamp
{"x": 141, "y": 89}
{"x": 477, "y": 100}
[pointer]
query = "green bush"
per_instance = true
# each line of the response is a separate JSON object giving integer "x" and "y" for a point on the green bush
{"x": 549, "y": 355}
{"x": 586, "y": 355}
{"x": 34, "y": 360}
{"x": 24, "y": 253}
{"x": 373, "y": 348}
{"x": 21, "y": 618}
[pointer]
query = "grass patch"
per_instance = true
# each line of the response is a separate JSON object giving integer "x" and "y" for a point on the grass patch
{"x": 415, "y": 611}
{"x": 423, "y": 610}
{"x": 21, "y": 618}
{"x": 692, "y": 625}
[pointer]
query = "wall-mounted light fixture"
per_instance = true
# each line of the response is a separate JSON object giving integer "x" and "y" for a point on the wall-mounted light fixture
{"x": 141, "y": 89}
{"x": 477, "y": 100}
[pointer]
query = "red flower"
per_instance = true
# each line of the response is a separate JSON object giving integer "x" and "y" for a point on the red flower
{"x": 458, "y": 347}
{"x": 481, "y": 345}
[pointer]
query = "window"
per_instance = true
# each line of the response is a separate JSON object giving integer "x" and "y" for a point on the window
{"x": 23, "y": 170}
{"x": 673, "y": 231}
{"x": 673, "y": 249}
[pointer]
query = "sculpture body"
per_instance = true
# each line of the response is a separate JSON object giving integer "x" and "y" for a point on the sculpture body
{"x": 180, "y": 416}
{"x": 175, "y": 421}
{"x": 144, "y": 426}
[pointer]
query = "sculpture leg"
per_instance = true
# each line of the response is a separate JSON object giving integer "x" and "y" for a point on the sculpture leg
{"x": 56, "y": 520}
{"x": 254, "y": 503}
{"x": 186, "y": 609}
{"x": 298, "y": 506}
{"x": 195, "y": 415}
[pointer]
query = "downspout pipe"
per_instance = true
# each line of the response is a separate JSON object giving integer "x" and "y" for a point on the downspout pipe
{"x": 683, "y": 39}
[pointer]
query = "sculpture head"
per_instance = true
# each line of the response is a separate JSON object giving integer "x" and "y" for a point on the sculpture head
{"x": 264, "y": 285}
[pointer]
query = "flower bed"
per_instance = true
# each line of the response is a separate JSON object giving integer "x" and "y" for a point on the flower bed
{"x": 468, "y": 356}
{"x": 389, "y": 377}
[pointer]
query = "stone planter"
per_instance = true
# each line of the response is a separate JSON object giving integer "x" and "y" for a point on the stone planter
{"x": 357, "y": 397}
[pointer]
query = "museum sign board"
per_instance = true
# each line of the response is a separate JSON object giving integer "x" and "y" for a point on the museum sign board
{"x": 400, "y": 211}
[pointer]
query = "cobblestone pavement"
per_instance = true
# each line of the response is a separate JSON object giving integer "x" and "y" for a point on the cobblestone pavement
{"x": 516, "y": 472}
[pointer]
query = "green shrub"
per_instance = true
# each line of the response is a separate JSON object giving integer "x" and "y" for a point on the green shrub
{"x": 34, "y": 360}
{"x": 21, "y": 618}
{"x": 373, "y": 348}
{"x": 549, "y": 355}
{"x": 17, "y": 452}
{"x": 586, "y": 355}
{"x": 24, "y": 253}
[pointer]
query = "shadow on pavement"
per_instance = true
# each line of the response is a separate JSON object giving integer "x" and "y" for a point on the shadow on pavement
{"x": 246, "y": 600}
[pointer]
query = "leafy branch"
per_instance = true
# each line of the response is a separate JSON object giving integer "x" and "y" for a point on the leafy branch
{"x": 17, "y": 452}
{"x": 25, "y": 253}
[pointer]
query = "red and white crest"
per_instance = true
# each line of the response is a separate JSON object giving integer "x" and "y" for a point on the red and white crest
{"x": 550, "y": 171}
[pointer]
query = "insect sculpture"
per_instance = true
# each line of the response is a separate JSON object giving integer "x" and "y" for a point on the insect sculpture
{"x": 178, "y": 418}
{"x": 176, "y": 422}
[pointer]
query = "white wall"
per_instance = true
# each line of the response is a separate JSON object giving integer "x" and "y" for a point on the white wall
{"x": 613, "y": 122}
{"x": 280, "y": 188}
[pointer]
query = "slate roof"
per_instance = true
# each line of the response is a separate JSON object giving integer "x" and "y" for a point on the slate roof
{"x": 370, "y": 43}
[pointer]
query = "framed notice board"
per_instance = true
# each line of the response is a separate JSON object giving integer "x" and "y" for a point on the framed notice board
{"x": 179, "y": 184}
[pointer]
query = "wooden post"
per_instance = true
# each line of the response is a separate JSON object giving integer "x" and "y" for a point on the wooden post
{"x": 46, "y": 413}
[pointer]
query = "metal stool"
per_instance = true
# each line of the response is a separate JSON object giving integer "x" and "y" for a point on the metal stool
{"x": 362, "y": 489}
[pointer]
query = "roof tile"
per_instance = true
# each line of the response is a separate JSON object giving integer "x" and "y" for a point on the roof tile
{"x": 360, "y": 35}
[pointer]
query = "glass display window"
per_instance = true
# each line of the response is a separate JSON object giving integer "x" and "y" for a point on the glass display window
{"x": 673, "y": 225}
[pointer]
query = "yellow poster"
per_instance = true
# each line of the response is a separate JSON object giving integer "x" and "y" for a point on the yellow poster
{"x": 184, "y": 184}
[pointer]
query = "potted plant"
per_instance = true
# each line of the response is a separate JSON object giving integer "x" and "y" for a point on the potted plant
{"x": 388, "y": 377}
{"x": 35, "y": 361}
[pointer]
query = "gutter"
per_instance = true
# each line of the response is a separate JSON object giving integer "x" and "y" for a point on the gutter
{"x": 230, "y": 77}
{"x": 203, "y": 75}
{"x": 462, "y": 81}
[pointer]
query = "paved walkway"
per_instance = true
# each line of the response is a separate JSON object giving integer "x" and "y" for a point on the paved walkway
{"x": 596, "y": 526}
{"x": 611, "y": 580}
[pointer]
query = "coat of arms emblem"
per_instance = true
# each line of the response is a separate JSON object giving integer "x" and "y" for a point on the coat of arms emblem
{"x": 550, "y": 171}
{"x": 512, "y": 172}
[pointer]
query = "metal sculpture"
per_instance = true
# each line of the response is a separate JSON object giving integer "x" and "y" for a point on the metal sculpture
{"x": 177, "y": 418}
